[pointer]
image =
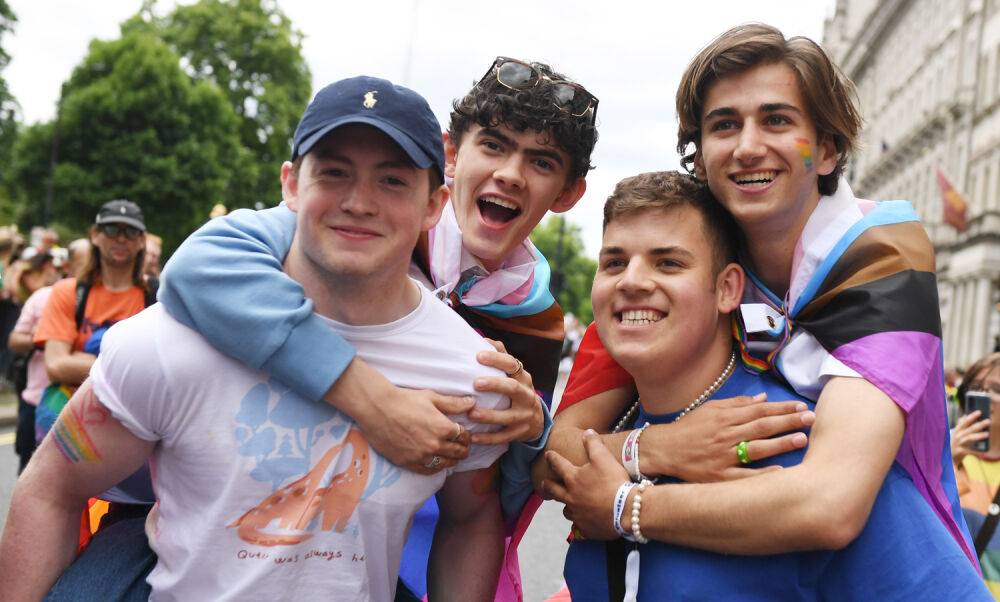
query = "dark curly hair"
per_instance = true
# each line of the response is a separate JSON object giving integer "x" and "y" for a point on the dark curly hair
{"x": 491, "y": 104}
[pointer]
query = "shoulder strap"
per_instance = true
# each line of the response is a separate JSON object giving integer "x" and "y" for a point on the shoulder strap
{"x": 989, "y": 525}
{"x": 152, "y": 285}
{"x": 82, "y": 292}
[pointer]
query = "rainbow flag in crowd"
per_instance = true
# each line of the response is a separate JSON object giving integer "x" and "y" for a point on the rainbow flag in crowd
{"x": 863, "y": 285}
{"x": 953, "y": 204}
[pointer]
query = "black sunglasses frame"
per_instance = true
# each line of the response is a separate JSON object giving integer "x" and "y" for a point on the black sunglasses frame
{"x": 500, "y": 61}
{"x": 114, "y": 229}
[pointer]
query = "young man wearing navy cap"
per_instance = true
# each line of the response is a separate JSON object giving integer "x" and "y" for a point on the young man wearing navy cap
{"x": 260, "y": 492}
{"x": 518, "y": 146}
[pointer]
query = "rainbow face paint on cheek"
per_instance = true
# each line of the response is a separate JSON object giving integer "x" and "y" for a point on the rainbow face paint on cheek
{"x": 805, "y": 149}
{"x": 72, "y": 439}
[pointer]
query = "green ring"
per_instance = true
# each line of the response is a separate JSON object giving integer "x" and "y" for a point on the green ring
{"x": 741, "y": 452}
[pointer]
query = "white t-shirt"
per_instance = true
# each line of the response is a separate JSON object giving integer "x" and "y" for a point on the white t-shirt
{"x": 261, "y": 494}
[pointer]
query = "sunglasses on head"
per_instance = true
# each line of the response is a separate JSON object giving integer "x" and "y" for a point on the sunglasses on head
{"x": 568, "y": 96}
{"x": 113, "y": 230}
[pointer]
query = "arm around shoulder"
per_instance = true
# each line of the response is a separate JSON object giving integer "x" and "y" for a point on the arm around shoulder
{"x": 226, "y": 281}
{"x": 824, "y": 502}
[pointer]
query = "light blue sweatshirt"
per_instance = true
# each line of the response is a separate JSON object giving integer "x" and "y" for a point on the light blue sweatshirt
{"x": 226, "y": 282}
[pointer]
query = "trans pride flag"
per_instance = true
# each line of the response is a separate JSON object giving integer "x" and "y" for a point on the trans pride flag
{"x": 863, "y": 291}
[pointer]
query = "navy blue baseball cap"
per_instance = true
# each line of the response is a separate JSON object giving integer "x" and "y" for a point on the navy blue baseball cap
{"x": 399, "y": 112}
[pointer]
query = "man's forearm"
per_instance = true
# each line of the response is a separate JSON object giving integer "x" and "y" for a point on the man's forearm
{"x": 567, "y": 441}
{"x": 465, "y": 557}
{"x": 20, "y": 342}
{"x": 71, "y": 369}
{"x": 822, "y": 503}
{"x": 771, "y": 513}
{"x": 39, "y": 542}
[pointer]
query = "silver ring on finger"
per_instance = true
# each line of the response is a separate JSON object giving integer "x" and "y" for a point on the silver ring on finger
{"x": 518, "y": 368}
{"x": 434, "y": 463}
{"x": 457, "y": 435}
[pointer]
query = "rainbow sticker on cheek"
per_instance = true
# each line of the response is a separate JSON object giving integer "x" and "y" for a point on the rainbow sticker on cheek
{"x": 805, "y": 149}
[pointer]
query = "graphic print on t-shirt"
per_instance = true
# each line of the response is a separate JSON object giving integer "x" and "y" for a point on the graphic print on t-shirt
{"x": 322, "y": 497}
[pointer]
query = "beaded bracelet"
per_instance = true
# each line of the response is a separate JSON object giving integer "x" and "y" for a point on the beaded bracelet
{"x": 619, "y": 509}
{"x": 630, "y": 453}
{"x": 636, "y": 507}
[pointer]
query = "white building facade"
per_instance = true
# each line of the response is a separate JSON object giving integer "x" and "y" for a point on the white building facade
{"x": 928, "y": 79}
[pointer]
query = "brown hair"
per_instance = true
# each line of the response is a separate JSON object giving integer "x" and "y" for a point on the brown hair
{"x": 830, "y": 96}
{"x": 982, "y": 366}
{"x": 92, "y": 269}
{"x": 668, "y": 189}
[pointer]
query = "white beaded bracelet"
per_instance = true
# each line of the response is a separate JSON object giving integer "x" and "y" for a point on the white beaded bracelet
{"x": 630, "y": 453}
{"x": 636, "y": 507}
{"x": 619, "y": 509}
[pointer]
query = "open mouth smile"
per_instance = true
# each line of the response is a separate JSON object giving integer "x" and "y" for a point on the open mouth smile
{"x": 639, "y": 317}
{"x": 757, "y": 179}
{"x": 496, "y": 211}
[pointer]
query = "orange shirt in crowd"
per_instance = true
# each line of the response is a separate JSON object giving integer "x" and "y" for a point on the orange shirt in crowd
{"x": 104, "y": 308}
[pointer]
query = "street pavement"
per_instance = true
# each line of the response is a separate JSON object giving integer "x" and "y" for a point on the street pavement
{"x": 541, "y": 552}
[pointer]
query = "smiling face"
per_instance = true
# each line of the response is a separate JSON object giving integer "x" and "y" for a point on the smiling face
{"x": 504, "y": 182}
{"x": 759, "y": 149}
{"x": 361, "y": 204}
{"x": 656, "y": 295}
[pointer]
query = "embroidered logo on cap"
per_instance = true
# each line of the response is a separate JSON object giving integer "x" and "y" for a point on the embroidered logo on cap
{"x": 370, "y": 99}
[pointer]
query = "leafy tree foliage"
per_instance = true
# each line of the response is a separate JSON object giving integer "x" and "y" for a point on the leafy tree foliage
{"x": 8, "y": 110}
{"x": 132, "y": 124}
{"x": 572, "y": 271}
{"x": 8, "y": 105}
{"x": 249, "y": 49}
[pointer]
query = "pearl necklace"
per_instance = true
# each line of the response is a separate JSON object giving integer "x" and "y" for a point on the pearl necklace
{"x": 726, "y": 372}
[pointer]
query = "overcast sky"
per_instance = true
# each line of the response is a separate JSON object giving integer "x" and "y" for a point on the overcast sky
{"x": 629, "y": 54}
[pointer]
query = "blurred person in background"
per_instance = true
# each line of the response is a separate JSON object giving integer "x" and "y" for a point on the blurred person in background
{"x": 79, "y": 254}
{"x": 154, "y": 249}
{"x": 978, "y": 472}
{"x": 79, "y": 311}
{"x": 29, "y": 375}
{"x": 11, "y": 244}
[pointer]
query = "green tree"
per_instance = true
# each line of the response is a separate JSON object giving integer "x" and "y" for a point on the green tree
{"x": 572, "y": 271}
{"x": 132, "y": 124}
{"x": 249, "y": 49}
{"x": 8, "y": 117}
{"x": 8, "y": 105}
{"x": 26, "y": 176}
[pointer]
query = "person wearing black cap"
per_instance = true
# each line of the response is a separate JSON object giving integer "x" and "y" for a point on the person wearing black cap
{"x": 115, "y": 290}
{"x": 262, "y": 493}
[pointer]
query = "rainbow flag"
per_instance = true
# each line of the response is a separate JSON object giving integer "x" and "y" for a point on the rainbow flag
{"x": 953, "y": 204}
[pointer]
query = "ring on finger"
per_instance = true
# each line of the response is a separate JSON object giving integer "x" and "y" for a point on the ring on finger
{"x": 457, "y": 435}
{"x": 518, "y": 368}
{"x": 434, "y": 463}
{"x": 741, "y": 452}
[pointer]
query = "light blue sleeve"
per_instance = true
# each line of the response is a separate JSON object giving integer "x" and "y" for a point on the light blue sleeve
{"x": 226, "y": 282}
{"x": 515, "y": 470}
